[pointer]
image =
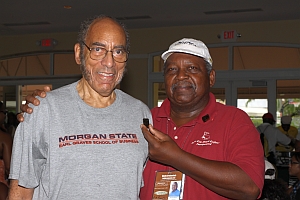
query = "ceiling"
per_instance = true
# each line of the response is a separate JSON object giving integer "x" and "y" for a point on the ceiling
{"x": 28, "y": 17}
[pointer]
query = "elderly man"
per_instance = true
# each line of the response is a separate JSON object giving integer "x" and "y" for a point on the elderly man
{"x": 212, "y": 150}
{"x": 215, "y": 147}
{"x": 80, "y": 143}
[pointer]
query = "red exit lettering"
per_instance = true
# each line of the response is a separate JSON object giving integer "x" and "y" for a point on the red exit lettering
{"x": 46, "y": 42}
{"x": 228, "y": 34}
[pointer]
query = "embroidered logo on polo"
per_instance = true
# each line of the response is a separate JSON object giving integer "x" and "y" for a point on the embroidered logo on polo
{"x": 206, "y": 141}
{"x": 93, "y": 139}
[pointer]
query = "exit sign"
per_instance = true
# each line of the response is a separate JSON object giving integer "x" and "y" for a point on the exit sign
{"x": 229, "y": 36}
{"x": 47, "y": 42}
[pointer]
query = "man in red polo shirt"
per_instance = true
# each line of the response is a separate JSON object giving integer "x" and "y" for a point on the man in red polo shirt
{"x": 212, "y": 150}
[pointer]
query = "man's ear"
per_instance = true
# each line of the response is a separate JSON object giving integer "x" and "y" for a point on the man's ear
{"x": 77, "y": 53}
{"x": 212, "y": 77}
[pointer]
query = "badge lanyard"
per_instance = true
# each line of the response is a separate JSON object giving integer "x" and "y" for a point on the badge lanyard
{"x": 183, "y": 143}
{"x": 165, "y": 179}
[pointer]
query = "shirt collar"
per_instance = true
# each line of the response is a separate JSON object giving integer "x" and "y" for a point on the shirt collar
{"x": 207, "y": 114}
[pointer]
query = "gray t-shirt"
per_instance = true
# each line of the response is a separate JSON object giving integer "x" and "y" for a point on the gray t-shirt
{"x": 67, "y": 149}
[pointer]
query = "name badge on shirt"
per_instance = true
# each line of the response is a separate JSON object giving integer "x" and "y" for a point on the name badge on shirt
{"x": 169, "y": 185}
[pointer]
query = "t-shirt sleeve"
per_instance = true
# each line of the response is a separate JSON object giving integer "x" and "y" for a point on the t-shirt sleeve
{"x": 29, "y": 148}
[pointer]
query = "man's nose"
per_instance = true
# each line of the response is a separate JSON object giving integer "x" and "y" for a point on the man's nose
{"x": 182, "y": 74}
{"x": 108, "y": 59}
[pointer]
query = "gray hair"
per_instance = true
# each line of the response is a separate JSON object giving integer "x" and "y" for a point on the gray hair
{"x": 208, "y": 67}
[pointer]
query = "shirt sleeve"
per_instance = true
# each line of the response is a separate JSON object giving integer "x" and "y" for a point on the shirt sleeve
{"x": 282, "y": 139}
{"x": 244, "y": 147}
{"x": 29, "y": 148}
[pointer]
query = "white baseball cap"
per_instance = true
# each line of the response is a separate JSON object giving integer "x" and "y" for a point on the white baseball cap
{"x": 270, "y": 171}
{"x": 189, "y": 46}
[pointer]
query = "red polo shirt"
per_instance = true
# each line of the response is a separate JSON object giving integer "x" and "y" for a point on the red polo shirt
{"x": 220, "y": 132}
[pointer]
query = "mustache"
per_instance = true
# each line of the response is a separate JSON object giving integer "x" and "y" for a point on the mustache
{"x": 183, "y": 84}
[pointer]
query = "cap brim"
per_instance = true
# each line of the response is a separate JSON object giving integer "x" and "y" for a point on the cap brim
{"x": 166, "y": 54}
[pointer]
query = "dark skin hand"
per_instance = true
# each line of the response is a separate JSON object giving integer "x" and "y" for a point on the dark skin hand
{"x": 31, "y": 98}
{"x": 207, "y": 172}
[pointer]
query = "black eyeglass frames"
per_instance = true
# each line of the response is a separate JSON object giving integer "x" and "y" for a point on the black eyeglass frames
{"x": 98, "y": 53}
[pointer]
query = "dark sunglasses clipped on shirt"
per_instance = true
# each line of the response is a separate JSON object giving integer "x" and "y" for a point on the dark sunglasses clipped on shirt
{"x": 270, "y": 172}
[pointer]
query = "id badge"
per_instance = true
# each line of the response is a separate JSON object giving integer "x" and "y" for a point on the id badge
{"x": 169, "y": 185}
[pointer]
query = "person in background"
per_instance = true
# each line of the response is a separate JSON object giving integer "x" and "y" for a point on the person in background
{"x": 3, "y": 117}
{"x": 12, "y": 123}
{"x": 274, "y": 189}
{"x": 294, "y": 170}
{"x": 289, "y": 131}
{"x": 80, "y": 142}
{"x": 273, "y": 136}
{"x": 297, "y": 145}
{"x": 5, "y": 155}
{"x": 216, "y": 147}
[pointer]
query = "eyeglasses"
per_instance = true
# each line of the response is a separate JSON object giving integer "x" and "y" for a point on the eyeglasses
{"x": 120, "y": 55}
{"x": 3, "y": 111}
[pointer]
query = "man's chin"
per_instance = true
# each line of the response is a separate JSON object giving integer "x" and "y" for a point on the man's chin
{"x": 184, "y": 95}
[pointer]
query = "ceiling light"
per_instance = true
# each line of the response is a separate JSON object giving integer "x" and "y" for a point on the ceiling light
{"x": 233, "y": 11}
